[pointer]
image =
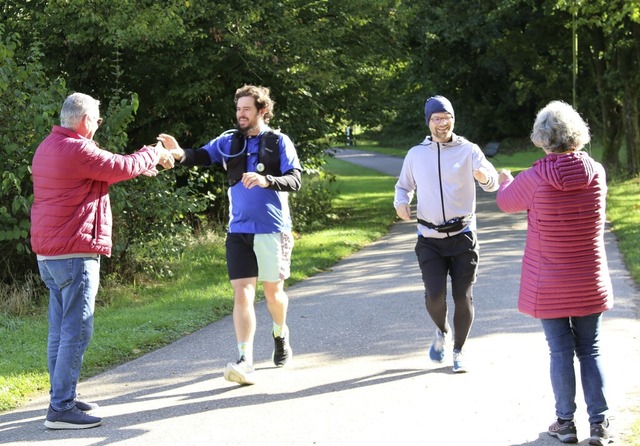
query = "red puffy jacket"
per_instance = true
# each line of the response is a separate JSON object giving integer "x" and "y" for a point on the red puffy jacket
{"x": 564, "y": 268}
{"x": 71, "y": 212}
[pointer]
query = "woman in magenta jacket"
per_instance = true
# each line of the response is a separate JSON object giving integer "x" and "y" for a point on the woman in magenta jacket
{"x": 565, "y": 279}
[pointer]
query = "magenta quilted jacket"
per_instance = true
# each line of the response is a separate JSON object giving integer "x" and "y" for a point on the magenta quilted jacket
{"x": 564, "y": 268}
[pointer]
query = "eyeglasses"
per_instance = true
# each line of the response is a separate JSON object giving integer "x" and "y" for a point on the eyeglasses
{"x": 97, "y": 120}
{"x": 444, "y": 120}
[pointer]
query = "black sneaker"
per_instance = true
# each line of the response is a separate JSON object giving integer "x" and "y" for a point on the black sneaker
{"x": 86, "y": 407}
{"x": 564, "y": 430}
{"x": 282, "y": 352}
{"x": 600, "y": 434}
{"x": 72, "y": 418}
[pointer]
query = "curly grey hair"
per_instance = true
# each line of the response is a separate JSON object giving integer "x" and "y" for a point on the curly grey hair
{"x": 75, "y": 107}
{"x": 560, "y": 128}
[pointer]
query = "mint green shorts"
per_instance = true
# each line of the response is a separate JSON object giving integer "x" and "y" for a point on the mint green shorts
{"x": 265, "y": 256}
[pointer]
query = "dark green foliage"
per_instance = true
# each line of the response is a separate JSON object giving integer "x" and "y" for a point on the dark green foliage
{"x": 28, "y": 104}
{"x": 497, "y": 61}
{"x": 312, "y": 207}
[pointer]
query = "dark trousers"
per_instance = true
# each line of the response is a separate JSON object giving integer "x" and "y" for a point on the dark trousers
{"x": 457, "y": 257}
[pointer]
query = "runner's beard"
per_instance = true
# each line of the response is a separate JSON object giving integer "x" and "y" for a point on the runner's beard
{"x": 245, "y": 130}
{"x": 444, "y": 134}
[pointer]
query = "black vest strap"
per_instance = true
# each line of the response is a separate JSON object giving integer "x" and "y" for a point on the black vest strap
{"x": 268, "y": 156}
{"x": 236, "y": 165}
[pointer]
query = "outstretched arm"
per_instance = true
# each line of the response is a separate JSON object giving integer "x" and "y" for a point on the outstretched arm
{"x": 187, "y": 157}
{"x": 172, "y": 146}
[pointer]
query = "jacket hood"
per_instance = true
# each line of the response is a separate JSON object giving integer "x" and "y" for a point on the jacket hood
{"x": 456, "y": 140}
{"x": 567, "y": 171}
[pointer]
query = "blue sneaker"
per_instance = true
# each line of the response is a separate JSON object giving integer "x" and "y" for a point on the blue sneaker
{"x": 436, "y": 353}
{"x": 458, "y": 362}
{"x": 73, "y": 418}
{"x": 86, "y": 407}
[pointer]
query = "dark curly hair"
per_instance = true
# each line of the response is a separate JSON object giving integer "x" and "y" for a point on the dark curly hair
{"x": 261, "y": 97}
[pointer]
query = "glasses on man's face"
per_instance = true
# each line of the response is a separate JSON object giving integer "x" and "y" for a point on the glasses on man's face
{"x": 97, "y": 120}
{"x": 444, "y": 120}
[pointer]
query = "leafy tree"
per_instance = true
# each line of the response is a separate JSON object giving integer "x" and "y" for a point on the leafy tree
{"x": 497, "y": 61}
{"x": 147, "y": 212}
{"x": 185, "y": 59}
{"x": 609, "y": 35}
{"x": 329, "y": 63}
{"x": 180, "y": 63}
{"x": 29, "y": 107}
{"x": 28, "y": 104}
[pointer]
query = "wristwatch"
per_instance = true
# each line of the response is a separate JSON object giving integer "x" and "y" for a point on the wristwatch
{"x": 270, "y": 180}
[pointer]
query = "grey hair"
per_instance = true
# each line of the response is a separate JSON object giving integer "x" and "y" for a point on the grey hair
{"x": 75, "y": 107}
{"x": 559, "y": 128}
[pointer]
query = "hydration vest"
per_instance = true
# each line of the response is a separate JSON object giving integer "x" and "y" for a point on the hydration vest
{"x": 268, "y": 156}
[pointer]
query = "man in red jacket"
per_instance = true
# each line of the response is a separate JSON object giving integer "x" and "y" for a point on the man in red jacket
{"x": 70, "y": 229}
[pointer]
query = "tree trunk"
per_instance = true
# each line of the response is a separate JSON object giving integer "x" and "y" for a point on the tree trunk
{"x": 631, "y": 130}
{"x": 629, "y": 63}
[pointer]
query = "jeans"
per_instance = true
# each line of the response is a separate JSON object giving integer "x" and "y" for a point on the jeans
{"x": 73, "y": 285}
{"x": 582, "y": 336}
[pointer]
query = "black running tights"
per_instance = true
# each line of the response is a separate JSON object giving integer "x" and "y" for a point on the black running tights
{"x": 456, "y": 257}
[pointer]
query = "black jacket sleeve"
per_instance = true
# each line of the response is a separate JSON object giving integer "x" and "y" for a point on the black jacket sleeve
{"x": 289, "y": 182}
{"x": 198, "y": 157}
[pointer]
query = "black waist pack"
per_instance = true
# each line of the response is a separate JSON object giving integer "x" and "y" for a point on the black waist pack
{"x": 454, "y": 225}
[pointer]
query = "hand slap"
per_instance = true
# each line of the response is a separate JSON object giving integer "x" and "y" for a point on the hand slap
{"x": 168, "y": 141}
{"x": 504, "y": 175}
{"x": 172, "y": 145}
{"x": 166, "y": 159}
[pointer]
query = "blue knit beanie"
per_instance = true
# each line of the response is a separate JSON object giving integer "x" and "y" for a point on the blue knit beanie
{"x": 437, "y": 104}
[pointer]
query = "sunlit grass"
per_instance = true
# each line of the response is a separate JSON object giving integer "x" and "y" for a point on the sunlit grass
{"x": 633, "y": 438}
{"x": 623, "y": 211}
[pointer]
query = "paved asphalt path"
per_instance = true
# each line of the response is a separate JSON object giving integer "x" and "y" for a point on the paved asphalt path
{"x": 361, "y": 375}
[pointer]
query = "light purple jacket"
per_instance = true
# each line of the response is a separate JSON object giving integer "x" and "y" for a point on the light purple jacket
{"x": 564, "y": 268}
{"x": 442, "y": 176}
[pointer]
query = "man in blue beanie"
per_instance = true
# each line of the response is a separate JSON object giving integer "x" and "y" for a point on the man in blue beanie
{"x": 443, "y": 170}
